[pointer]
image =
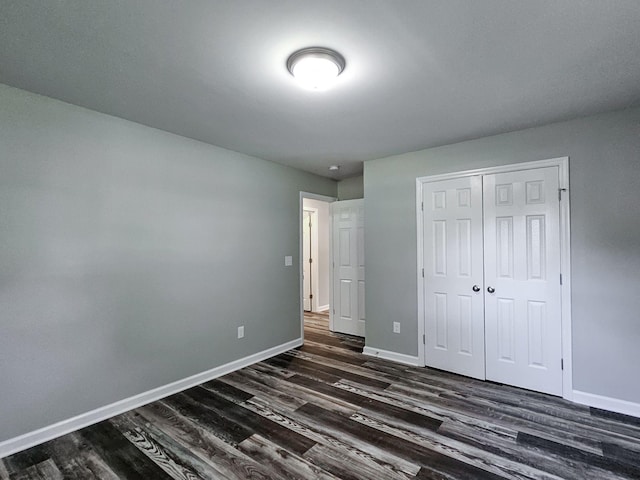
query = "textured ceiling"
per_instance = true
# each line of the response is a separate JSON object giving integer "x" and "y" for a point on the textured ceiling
{"x": 419, "y": 73}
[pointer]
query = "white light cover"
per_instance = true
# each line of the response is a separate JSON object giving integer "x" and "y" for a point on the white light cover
{"x": 316, "y": 73}
{"x": 316, "y": 68}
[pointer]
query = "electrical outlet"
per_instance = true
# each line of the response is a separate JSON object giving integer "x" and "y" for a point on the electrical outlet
{"x": 396, "y": 327}
{"x": 288, "y": 261}
{"x": 241, "y": 332}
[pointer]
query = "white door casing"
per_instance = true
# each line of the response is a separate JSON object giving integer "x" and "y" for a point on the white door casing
{"x": 453, "y": 276}
{"x": 522, "y": 279}
{"x": 306, "y": 264}
{"x": 347, "y": 310}
{"x": 526, "y": 238}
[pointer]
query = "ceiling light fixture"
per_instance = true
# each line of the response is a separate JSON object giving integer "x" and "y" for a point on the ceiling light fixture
{"x": 315, "y": 68}
{"x": 334, "y": 168}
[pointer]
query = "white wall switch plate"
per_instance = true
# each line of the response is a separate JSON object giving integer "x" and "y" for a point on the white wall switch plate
{"x": 396, "y": 327}
{"x": 241, "y": 332}
{"x": 288, "y": 261}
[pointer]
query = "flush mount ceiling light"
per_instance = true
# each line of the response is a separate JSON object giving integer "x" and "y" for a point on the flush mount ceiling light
{"x": 315, "y": 68}
{"x": 334, "y": 168}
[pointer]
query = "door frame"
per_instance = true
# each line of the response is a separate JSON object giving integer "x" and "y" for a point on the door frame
{"x": 314, "y": 255}
{"x": 565, "y": 253}
{"x": 323, "y": 198}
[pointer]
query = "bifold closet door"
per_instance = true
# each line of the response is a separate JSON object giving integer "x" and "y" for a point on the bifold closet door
{"x": 522, "y": 279}
{"x": 453, "y": 273}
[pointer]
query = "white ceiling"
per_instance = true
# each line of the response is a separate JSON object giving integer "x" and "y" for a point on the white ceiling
{"x": 419, "y": 73}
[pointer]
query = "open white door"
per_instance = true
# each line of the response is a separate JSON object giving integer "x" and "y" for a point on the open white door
{"x": 522, "y": 279}
{"x": 347, "y": 313}
{"x": 453, "y": 275}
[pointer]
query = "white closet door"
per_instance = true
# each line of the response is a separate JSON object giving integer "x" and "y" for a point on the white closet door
{"x": 522, "y": 279}
{"x": 348, "y": 267}
{"x": 453, "y": 271}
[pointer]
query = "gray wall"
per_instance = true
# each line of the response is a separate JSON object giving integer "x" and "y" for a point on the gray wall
{"x": 604, "y": 153}
{"x": 351, "y": 188}
{"x": 129, "y": 256}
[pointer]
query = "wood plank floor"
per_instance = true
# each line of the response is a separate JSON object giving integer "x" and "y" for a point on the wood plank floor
{"x": 325, "y": 411}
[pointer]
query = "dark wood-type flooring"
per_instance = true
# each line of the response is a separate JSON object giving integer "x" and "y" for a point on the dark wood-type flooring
{"x": 325, "y": 411}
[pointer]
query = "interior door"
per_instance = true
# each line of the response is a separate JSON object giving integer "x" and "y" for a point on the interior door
{"x": 348, "y": 314}
{"x": 307, "y": 296}
{"x": 453, "y": 273}
{"x": 522, "y": 279}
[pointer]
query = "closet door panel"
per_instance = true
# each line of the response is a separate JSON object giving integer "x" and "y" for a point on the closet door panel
{"x": 522, "y": 279}
{"x": 452, "y": 248}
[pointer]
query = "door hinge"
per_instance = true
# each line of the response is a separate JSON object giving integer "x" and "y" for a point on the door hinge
{"x": 422, "y": 206}
{"x": 311, "y": 260}
{"x": 424, "y": 339}
{"x": 311, "y": 296}
{"x": 560, "y": 190}
{"x": 560, "y": 279}
{"x": 562, "y": 364}
{"x": 423, "y": 273}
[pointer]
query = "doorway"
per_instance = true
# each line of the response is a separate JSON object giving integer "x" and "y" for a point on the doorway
{"x": 493, "y": 263}
{"x": 315, "y": 245}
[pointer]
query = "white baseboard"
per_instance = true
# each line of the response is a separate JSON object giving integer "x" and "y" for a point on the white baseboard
{"x": 396, "y": 357}
{"x": 31, "y": 439}
{"x": 322, "y": 308}
{"x": 607, "y": 403}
